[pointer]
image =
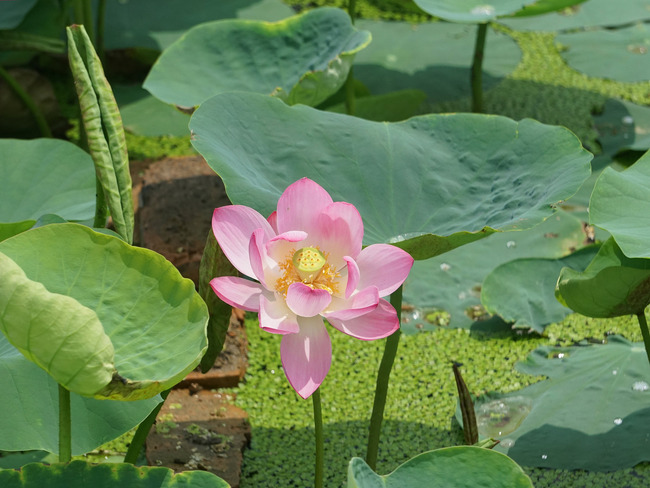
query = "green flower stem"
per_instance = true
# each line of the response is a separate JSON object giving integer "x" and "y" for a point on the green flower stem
{"x": 477, "y": 69}
{"x": 644, "y": 331}
{"x": 142, "y": 432}
{"x": 381, "y": 390}
{"x": 28, "y": 101}
{"x": 65, "y": 426}
{"x": 320, "y": 444}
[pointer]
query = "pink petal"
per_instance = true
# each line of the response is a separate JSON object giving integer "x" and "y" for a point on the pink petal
{"x": 307, "y": 302}
{"x": 238, "y": 292}
{"x": 307, "y": 355}
{"x": 275, "y": 316}
{"x": 233, "y": 226}
{"x": 300, "y": 205}
{"x": 379, "y": 323}
{"x": 256, "y": 253}
{"x": 359, "y": 304}
{"x": 353, "y": 276}
{"x": 383, "y": 266}
{"x": 339, "y": 232}
{"x": 273, "y": 221}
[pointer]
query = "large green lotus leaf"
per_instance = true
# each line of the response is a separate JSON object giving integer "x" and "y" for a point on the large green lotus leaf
{"x": 153, "y": 317}
{"x": 428, "y": 184}
{"x": 625, "y": 50}
{"x": 457, "y": 467}
{"x": 154, "y": 25}
{"x": 623, "y": 126}
{"x": 474, "y": 11}
{"x": 54, "y": 331}
{"x": 434, "y": 57}
{"x": 545, "y": 6}
{"x": 30, "y": 404}
{"x": 620, "y": 204}
{"x": 612, "y": 285}
{"x": 302, "y": 59}
{"x": 79, "y": 474}
{"x": 592, "y": 413}
{"x": 523, "y": 291}
{"x": 45, "y": 176}
{"x": 593, "y": 13}
{"x": 453, "y": 281}
{"x": 479, "y": 11}
{"x": 13, "y": 13}
{"x": 146, "y": 115}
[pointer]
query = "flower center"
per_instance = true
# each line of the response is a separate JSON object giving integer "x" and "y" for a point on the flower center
{"x": 309, "y": 266}
{"x": 308, "y": 263}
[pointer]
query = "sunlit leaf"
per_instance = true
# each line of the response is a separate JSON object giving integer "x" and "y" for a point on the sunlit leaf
{"x": 152, "y": 316}
{"x": 55, "y": 331}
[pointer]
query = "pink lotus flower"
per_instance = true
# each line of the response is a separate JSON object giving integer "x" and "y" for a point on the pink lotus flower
{"x": 308, "y": 260}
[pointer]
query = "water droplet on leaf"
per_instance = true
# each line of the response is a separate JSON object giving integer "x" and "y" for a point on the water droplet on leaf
{"x": 445, "y": 267}
{"x": 507, "y": 443}
{"x": 511, "y": 244}
{"x": 501, "y": 417}
{"x": 627, "y": 120}
{"x": 544, "y": 456}
{"x": 411, "y": 315}
{"x": 640, "y": 386}
{"x": 618, "y": 421}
